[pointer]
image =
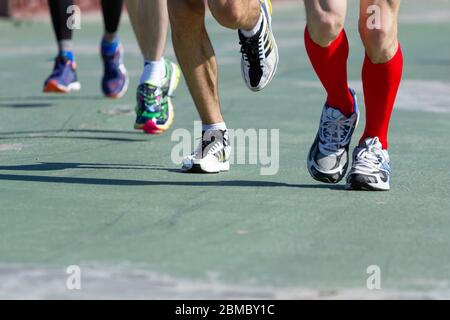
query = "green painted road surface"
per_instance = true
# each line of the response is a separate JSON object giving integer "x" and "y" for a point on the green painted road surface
{"x": 78, "y": 186}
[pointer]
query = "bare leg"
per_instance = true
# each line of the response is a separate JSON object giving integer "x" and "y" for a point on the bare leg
{"x": 195, "y": 52}
{"x": 150, "y": 22}
{"x": 236, "y": 14}
{"x": 196, "y": 56}
{"x": 381, "y": 43}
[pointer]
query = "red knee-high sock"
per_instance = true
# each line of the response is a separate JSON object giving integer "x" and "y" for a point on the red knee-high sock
{"x": 330, "y": 65}
{"x": 380, "y": 84}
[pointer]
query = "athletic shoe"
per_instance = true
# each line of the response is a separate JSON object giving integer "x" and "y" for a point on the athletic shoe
{"x": 63, "y": 78}
{"x": 328, "y": 156}
{"x": 212, "y": 155}
{"x": 259, "y": 53}
{"x": 154, "y": 107}
{"x": 371, "y": 169}
{"x": 115, "y": 78}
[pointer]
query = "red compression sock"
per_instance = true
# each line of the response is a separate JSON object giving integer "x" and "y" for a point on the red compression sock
{"x": 380, "y": 83}
{"x": 330, "y": 65}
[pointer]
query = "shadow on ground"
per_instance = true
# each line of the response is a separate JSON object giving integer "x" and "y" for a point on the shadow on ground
{"x": 51, "y": 134}
{"x": 26, "y": 105}
{"x": 124, "y": 182}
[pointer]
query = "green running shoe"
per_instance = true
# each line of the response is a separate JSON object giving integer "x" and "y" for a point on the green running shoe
{"x": 154, "y": 109}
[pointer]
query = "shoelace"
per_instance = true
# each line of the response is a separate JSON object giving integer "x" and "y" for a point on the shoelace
{"x": 369, "y": 157}
{"x": 336, "y": 133}
{"x": 252, "y": 50}
{"x": 366, "y": 158}
{"x": 150, "y": 101}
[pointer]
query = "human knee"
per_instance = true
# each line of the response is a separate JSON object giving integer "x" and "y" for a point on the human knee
{"x": 185, "y": 15}
{"x": 380, "y": 41}
{"x": 325, "y": 27}
{"x": 229, "y": 13}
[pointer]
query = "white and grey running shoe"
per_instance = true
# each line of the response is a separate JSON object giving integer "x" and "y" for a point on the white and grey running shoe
{"x": 370, "y": 169}
{"x": 328, "y": 156}
{"x": 259, "y": 53}
{"x": 212, "y": 155}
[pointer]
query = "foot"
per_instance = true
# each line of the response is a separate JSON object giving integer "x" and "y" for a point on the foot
{"x": 115, "y": 78}
{"x": 370, "y": 169}
{"x": 260, "y": 52}
{"x": 212, "y": 155}
{"x": 63, "y": 78}
{"x": 154, "y": 107}
{"x": 328, "y": 156}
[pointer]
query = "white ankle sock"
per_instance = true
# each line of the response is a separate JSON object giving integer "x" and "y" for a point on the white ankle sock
{"x": 214, "y": 126}
{"x": 252, "y": 32}
{"x": 154, "y": 72}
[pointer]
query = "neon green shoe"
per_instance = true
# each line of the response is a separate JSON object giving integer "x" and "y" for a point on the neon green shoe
{"x": 154, "y": 109}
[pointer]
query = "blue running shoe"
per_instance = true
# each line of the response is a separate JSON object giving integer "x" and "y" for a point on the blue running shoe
{"x": 63, "y": 78}
{"x": 115, "y": 79}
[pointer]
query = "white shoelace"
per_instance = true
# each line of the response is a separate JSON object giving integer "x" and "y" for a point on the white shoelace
{"x": 336, "y": 133}
{"x": 367, "y": 159}
{"x": 371, "y": 157}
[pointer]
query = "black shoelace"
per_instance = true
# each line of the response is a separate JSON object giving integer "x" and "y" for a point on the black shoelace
{"x": 251, "y": 50}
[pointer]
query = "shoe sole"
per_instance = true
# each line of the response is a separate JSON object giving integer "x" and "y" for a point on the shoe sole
{"x": 150, "y": 127}
{"x": 122, "y": 92}
{"x": 326, "y": 177}
{"x": 175, "y": 79}
{"x": 361, "y": 183}
{"x": 365, "y": 187}
{"x": 54, "y": 87}
{"x": 200, "y": 168}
